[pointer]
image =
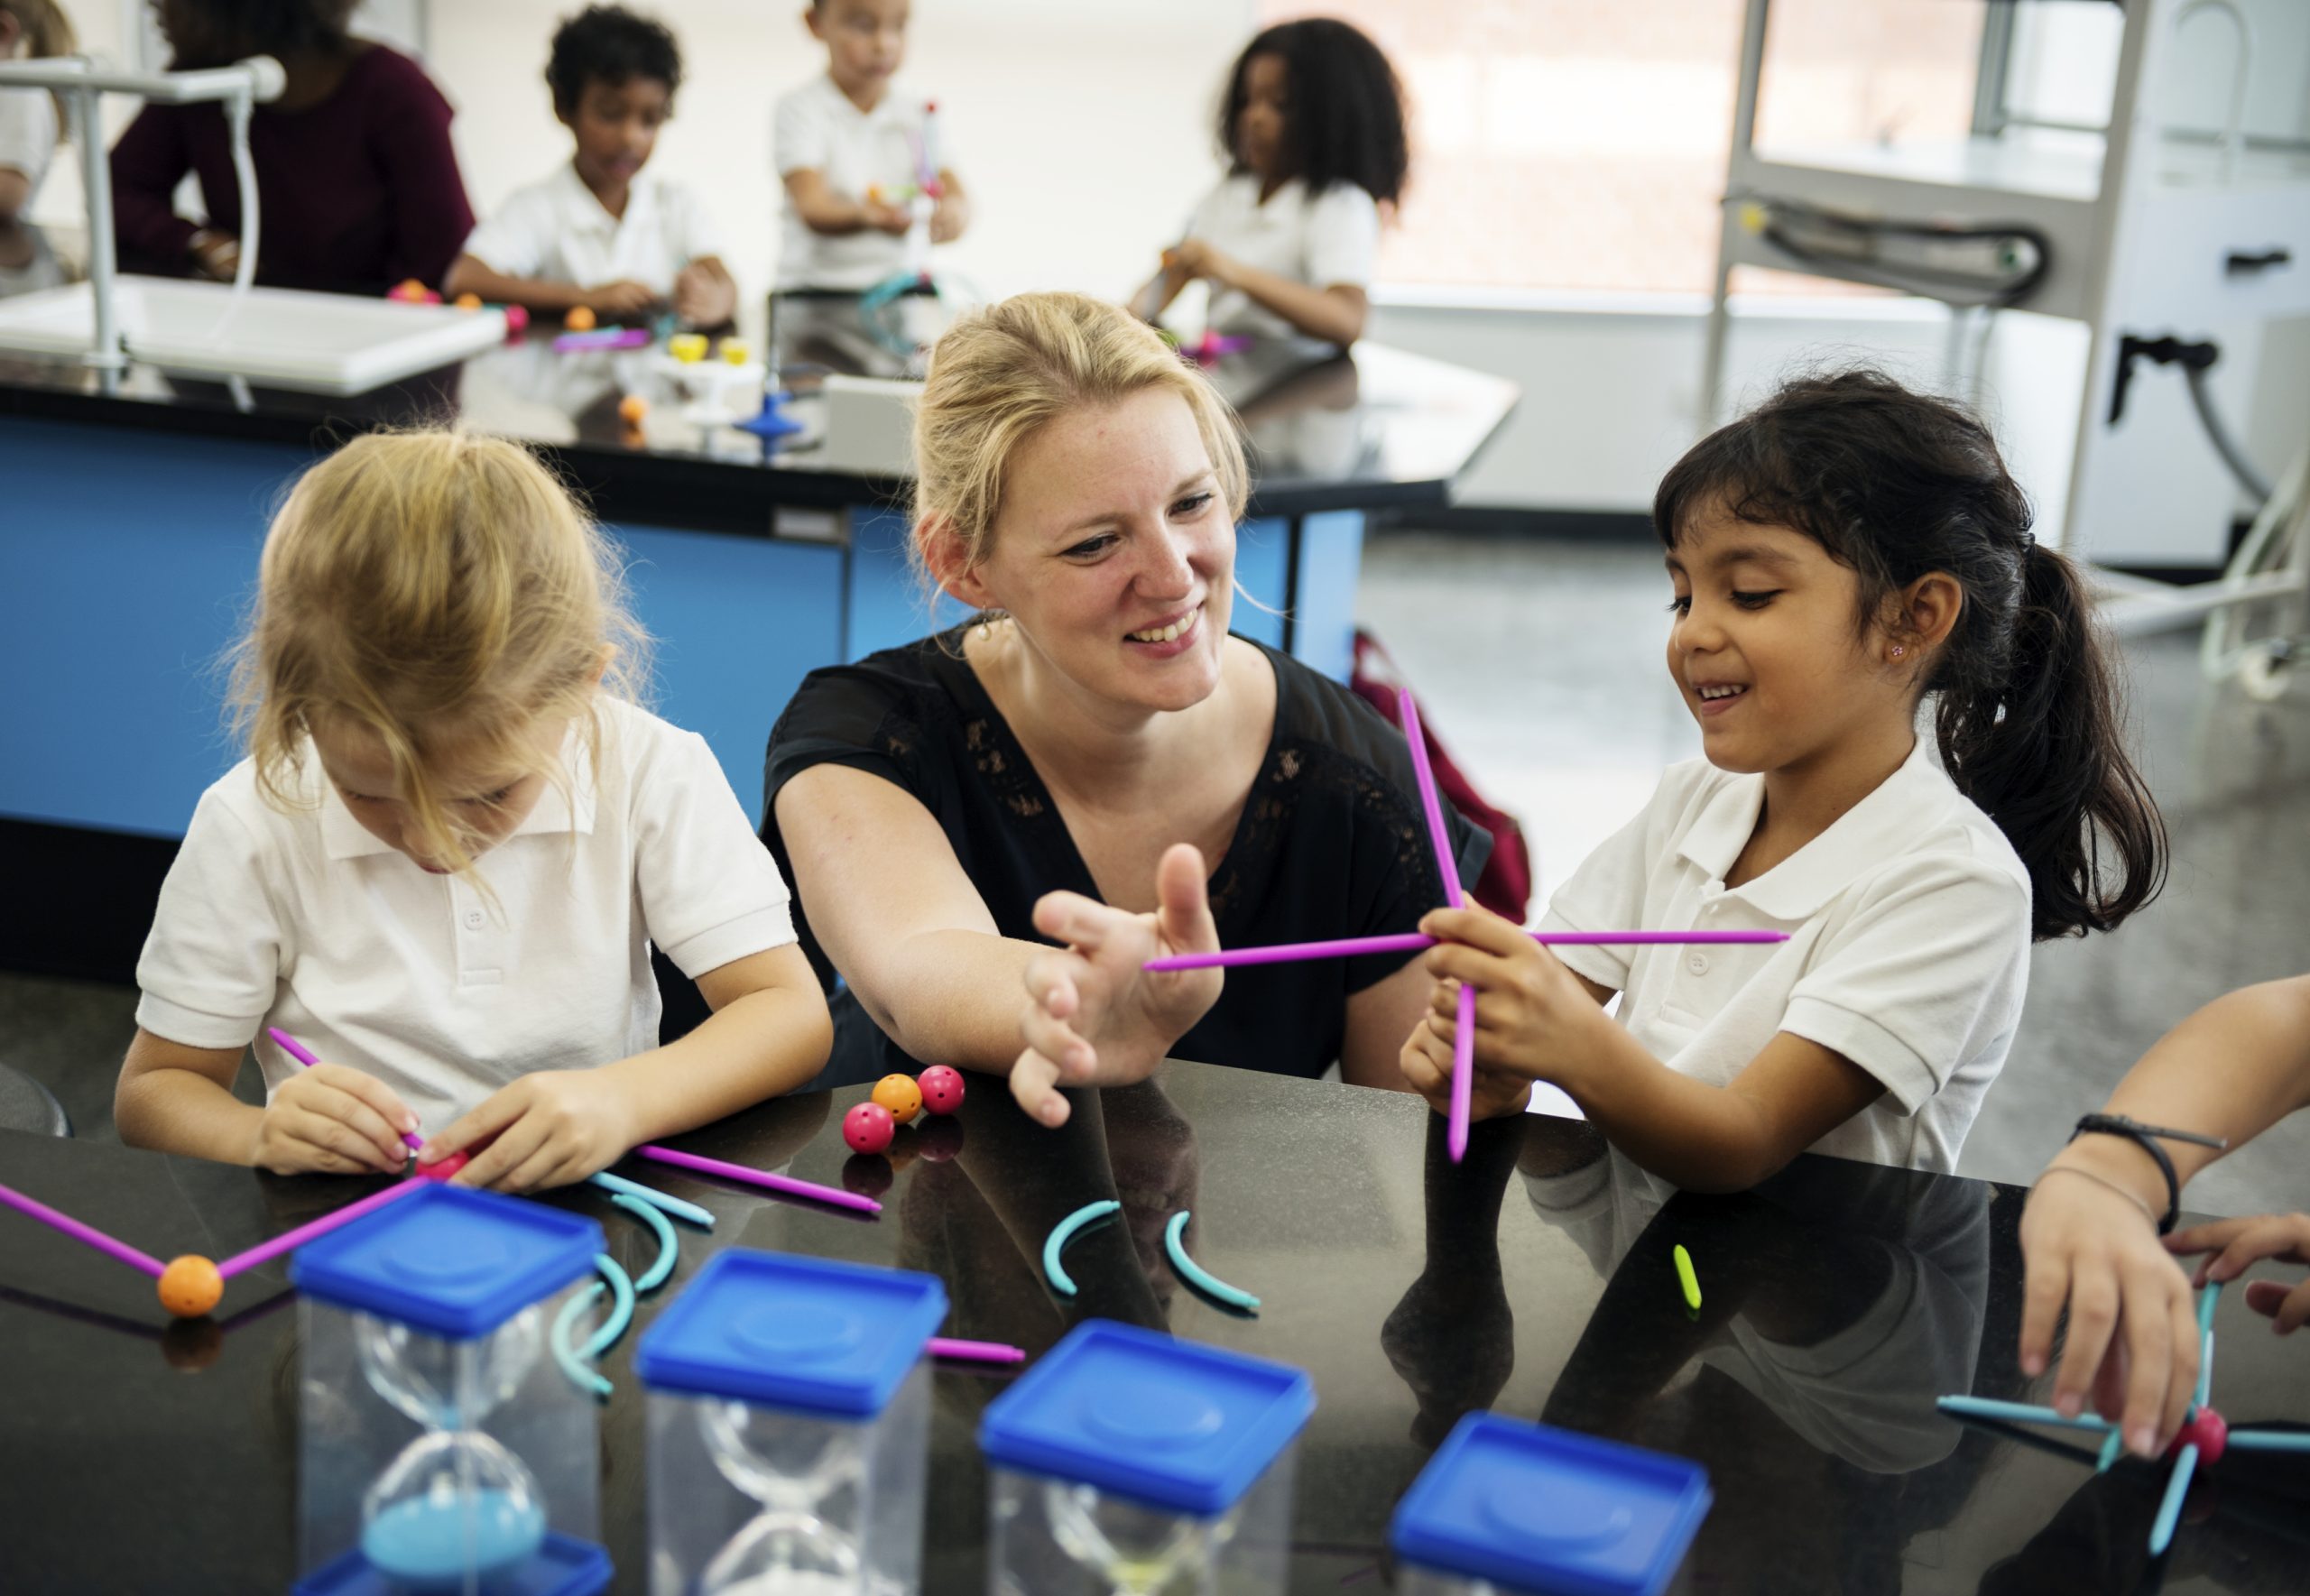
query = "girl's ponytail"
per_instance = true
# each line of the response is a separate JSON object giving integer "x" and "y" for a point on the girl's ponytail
{"x": 1896, "y": 484}
{"x": 2043, "y": 752}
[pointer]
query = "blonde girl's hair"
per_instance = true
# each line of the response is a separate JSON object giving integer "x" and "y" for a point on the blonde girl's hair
{"x": 999, "y": 373}
{"x": 436, "y": 590}
{"x": 48, "y": 31}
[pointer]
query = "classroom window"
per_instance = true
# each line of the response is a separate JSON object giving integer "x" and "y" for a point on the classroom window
{"x": 1565, "y": 145}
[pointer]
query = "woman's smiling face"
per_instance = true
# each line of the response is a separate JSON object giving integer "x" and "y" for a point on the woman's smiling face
{"x": 1114, "y": 551}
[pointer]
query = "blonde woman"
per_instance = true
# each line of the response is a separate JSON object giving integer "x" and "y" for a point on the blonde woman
{"x": 446, "y": 858}
{"x": 32, "y": 121}
{"x": 1096, "y": 763}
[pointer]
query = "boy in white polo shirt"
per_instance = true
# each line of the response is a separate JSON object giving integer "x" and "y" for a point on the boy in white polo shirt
{"x": 851, "y": 146}
{"x": 1836, "y": 556}
{"x": 601, "y": 232}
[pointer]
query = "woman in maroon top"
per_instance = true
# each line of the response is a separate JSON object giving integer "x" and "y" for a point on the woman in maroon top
{"x": 358, "y": 187}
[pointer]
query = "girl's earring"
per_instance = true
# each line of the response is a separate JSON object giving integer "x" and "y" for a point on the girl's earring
{"x": 1899, "y": 650}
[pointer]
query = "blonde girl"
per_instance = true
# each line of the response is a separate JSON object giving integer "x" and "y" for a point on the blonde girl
{"x": 31, "y": 123}
{"x": 444, "y": 862}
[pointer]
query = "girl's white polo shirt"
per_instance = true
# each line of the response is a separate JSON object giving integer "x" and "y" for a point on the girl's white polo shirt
{"x": 556, "y": 231}
{"x": 1326, "y": 240}
{"x": 304, "y": 920}
{"x": 1909, "y": 948}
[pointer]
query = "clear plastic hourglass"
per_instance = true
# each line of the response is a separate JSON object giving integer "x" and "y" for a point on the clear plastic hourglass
{"x": 789, "y": 1427}
{"x": 1507, "y": 1508}
{"x": 1128, "y": 1464}
{"x": 441, "y": 1447}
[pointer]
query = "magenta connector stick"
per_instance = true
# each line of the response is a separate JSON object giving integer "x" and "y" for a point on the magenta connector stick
{"x": 975, "y": 1352}
{"x": 1346, "y": 948}
{"x": 761, "y": 1177}
{"x": 304, "y": 1056}
{"x": 290, "y": 1240}
{"x": 87, "y": 1234}
{"x": 1464, "y": 1031}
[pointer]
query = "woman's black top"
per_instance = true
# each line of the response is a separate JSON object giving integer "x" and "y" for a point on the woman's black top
{"x": 1331, "y": 842}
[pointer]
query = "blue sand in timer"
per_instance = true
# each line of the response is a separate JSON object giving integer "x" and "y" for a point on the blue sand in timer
{"x": 789, "y": 1427}
{"x": 433, "y": 1313}
{"x": 1506, "y": 1507}
{"x": 1128, "y": 1464}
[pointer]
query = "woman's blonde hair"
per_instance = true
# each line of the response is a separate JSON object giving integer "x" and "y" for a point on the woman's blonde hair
{"x": 436, "y": 590}
{"x": 48, "y": 31}
{"x": 999, "y": 373}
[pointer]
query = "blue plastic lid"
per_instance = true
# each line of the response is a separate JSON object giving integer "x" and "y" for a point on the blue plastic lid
{"x": 829, "y": 1338}
{"x": 1544, "y": 1509}
{"x": 563, "y": 1566}
{"x": 1170, "y": 1424}
{"x": 449, "y": 1261}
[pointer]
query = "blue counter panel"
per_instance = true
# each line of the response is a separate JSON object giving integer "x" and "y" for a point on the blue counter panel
{"x": 1330, "y": 562}
{"x": 886, "y": 605}
{"x": 1263, "y": 580}
{"x": 739, "y": 622}
{"x": 126, "y": 561}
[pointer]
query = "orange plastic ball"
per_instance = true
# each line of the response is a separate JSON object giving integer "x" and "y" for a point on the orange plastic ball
{"x": 469, "y": 302}
{"x": 631, "y": 408}
{"x": 190, "y": 1287}
{"x": 900, "y": 1095}
{"x": 580, "y": 319}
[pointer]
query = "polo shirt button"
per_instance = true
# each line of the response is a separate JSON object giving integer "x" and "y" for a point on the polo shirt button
{"x": 1698, "y": 964}
{"x": 473, "y": 918}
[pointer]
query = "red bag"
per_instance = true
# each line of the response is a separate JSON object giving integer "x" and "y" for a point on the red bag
{"x": 1505, "y": 887}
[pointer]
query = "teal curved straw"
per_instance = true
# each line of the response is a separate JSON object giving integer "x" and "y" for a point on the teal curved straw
{"x": 621, "y": 1308}
{"x": 1062, "y": 1233}
{"x": 1196, "y": 1275}
{"x": 2169, "y": 1508}
{"x": 575, "y": 1361}
{"x": 2018, "y": 1413}
{"x": 2112, "y": 1443}
{"x": 670, "y": 1245}
{"x": 654, "y": 1197}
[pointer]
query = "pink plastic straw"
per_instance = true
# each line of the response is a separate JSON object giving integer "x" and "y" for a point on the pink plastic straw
{"x": 975, "y": 1351}
{"x": 761, "y": 1177}
{"x": 288, "y": 1242}
{"x": 1464, "y": 1033}
{"x": 1345, "y": 947}
{"x": 32, "y": 1208}
{"x": 304, "y": 1056}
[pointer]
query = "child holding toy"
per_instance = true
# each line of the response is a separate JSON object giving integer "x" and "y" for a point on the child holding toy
{"x": 601, "y": 231}
{"x": 2094, "y": 1232}
{"x": 1312, "y": 127}
{"x": 449, "y": 853}
{"x": 1843, "y": 554}
{"x": 852, "y": 149}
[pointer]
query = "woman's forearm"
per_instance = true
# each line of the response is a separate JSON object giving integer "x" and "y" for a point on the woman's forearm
{"x": 953, "y": 997}
{"x": 1333, "y": 315}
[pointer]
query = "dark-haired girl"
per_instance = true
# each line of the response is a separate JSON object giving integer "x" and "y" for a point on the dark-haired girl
{"x": 1848, "y": 561}
{"x": 1312, "y": 128}
{"x": 357, "y": 185}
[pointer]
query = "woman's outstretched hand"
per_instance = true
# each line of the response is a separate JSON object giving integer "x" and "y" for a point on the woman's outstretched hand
{"x": 1093, "y": 1016}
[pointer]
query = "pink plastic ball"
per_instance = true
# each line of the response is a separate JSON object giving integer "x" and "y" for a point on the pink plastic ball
{"x": 517, "y": 321}
{"x": 868, "y": 1128}
{"x": 942, "y": 1088}
{"x": 446, "y": 1168}
{"x": 2209, "y": 1432}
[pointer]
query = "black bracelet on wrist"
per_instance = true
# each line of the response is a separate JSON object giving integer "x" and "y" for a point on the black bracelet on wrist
{"x": 2145, "y": 1137}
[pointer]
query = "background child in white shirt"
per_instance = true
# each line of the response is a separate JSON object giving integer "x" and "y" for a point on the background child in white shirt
{"x": 601, "y": 232}
{"x": 1312, "y": 127}
{"x": 847, "y": 144}
{"x": 444, "y": 862}
{"x": 32, "y": 120}
{"x": 1837, "y": 556}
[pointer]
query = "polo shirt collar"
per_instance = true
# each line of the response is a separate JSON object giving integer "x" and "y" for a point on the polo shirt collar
{"x": 581, "y": 212}
{"x": 1913, "y": 798}
{"x": 345, "y": 838}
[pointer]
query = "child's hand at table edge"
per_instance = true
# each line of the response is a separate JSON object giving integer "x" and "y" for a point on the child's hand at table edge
{"x": 2238, "y": 1244}
{"x": 1534, "y": 1018}
{"x": 331, "y": 1120}
{"x": 1427, "y": 1063}
{"x": 2131, "y": 1348}
{"x": 550, "y": 1128}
